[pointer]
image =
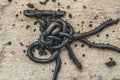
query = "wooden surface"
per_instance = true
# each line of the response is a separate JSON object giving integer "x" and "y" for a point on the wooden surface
{"x": 15, "y": 65}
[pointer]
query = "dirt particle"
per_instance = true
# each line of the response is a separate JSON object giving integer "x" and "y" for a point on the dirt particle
{"x": 52, "y": 70}
{"x": 68, "y": 7}
{"x": 27, "y": 26}
{"x": 58, "y": 3}
{"x": 9, "y": 0}
{"x": 107, "y": 35}
{"x": 15, "y": 2}
{"x": 65, "y": 63}
{"x": 96, "y": 17}
{"x": 16, "y": 15}
{"x": 110, "y": 63}
{"x": 82, "y": 22}
{"x": 75, "y": 45}
{"x": 13, "y": 25}
{"x": 9, "y": 43}
{"x": 113, "y": 31}
{"x": 98, "y": 35}
{"x": 34, "y": 30}
{"x": 91, "y": 22}
{"x": 36, "y": 22}
{"x": 82, "y": 45}
{"x": 30, "y": 5}
{"x": 75, "y": 0}
{"x": 21, "y": 19}
{"x": 26, "y": 46}
{"x": 84, "y": 7}
{"x": 78, "y": 32}
{"x": 111, "y": 58}
{"x": 24, "y": 51}
{"x": 70, "y": 16}
{"x": 90, "y": 25}
{"x": 20, "y": 12}
{"x": 83, "y": 55}
{"x": 22, "y": 5}
{"x": 53, "y": 0}
{"x": 21, "y": 44}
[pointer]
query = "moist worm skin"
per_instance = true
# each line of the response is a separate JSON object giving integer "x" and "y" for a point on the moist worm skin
{"x": 55, "y": 38}
{"x": 40, "y": 13}
{"x": 98, "y": 29}
{"x": 37, "y": 60}
{"x": 73, "y": 57}
{"x": 64, "y": 26}
{"x": 57, "y": 68}
{"x": 57, "y": 33}
{"x": 42, "y": 25}
{"x": 102, "y": 46}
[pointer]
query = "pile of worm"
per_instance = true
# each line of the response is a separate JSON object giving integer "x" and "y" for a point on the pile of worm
{"x": 57, "y": 33}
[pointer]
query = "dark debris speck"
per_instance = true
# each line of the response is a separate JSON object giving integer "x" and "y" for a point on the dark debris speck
{"x": 90, "y": 25}
{"x": 16, "y": 15}
{"x": 30, "y": 5}
{"x": 83, "y": 55}
{"x": 13, "y": 24}
{"x": 68, "y": 7}
{"x": 20, "y": 12}
{"x": 27, "y": 46}
{"x": 82, "y": 22}
{"x": 75, "y": 0}
{"x": 27, "y": 26}
{"x": 84, "y": 7}
{"x": 15, "y": 2}
{"x": 34, "y": 30}
{"x": 78, "y": 32}
{"x": 96, "y": 17}
{"x": 65, "y": 63}
{"x": 111, "y": 58}
{"x": 21, "y": 44}
{"x": 98, "y": 35}
{"x": 82, "y": 45}
{"x": 21, "y": 19}
{"x": 70, "y": 15}
{"x": 113, "y": 31}
{"x": 107, "y": 35}
{"x": 78, "y": 24}
{"x": 52, "y": 70}
{"x": 53, "y": 0}
{"x": 110, "y": 63}
{"x": 9, "y": 43}
{"x": 9, "y": 0}
{"x": 24, "y": 51}
{"x": 58, "y": 3}
{"x": 75, "y": 45}
{"x": 36, "y": 22}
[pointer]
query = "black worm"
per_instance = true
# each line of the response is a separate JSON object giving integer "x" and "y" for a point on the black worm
{"x": 102, "y": 46}
{"x": 40, "y": 13}
{"x": 98, "y": 29}
{"x": 37, "y": 60}
{"x": 73, "y": 57}
{"x": 57, "y": 33}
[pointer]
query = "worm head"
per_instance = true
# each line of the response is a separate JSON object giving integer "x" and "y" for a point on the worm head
{"x": 29, "y": 13}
